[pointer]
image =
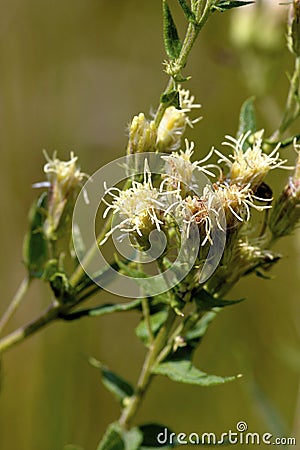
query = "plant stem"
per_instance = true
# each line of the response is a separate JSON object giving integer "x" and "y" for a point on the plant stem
{"x": 146, "y": 375}
{"x": 15, "y": 302}
{"x": 202, "y": 11}
{"x": 292, "y": 107}
{"x": 52, "y": 313}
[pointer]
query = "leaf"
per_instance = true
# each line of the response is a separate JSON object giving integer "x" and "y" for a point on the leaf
{"x": 156, "y": 321}
{"x": 224, "y": 5}
{"x": 101, "y": 310}
{"x": 247, "y": 119}
{"x": 156, "y": 436}
{"x": 112, "y": 439}
{"x": 194, "y": 336}
{"x": 206, "y": 301}
{"x": 170, "y": 99}
{"x": 171, "y": 38}
{"x": 78, "y": 242}
{"x": 187, "y": 11}
{"x": 116, "y": 438}
{"x": 183, "y": 371}
{"x": 35, "y": 249}
{"x": 120, "y": 388}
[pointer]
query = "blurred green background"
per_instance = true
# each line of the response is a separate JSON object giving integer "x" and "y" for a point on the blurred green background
{"x": 73, "y": 73}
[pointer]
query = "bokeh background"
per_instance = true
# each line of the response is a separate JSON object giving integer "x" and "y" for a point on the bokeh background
{"x": 73, "y": 73}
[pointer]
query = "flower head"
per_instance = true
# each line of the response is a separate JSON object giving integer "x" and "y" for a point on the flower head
{"x": 64, "y": 177}
{"x": 139, "y": 207}
{"x": 236, "y": 202}
{"x": 180, "y": 169}
{"x": 249, "y": 166}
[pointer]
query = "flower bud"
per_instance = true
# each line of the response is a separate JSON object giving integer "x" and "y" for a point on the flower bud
{"x": 286, "y": 211}
{"x": 64, "y": 177}
{"x": 142, "y": 135}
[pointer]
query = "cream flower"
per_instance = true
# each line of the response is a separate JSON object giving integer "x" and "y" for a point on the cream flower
{"x": 236, "y": 202}
{"x": 139, "y": 206}
{"x": 180, "y": 169}
{"x": 252, "y": 165}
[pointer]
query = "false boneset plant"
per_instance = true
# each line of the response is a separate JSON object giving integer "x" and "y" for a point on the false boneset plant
{"x": 235, "y": 212}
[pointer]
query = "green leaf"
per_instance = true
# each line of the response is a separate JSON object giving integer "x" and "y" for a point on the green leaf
{"x": 35, "y": 249}
{"x": 224, "y": 5}
{"x": 206, "y": 301}
{"x": 78, "y": 242}
{"x": 187, "y": 11}
{"x": 116, "y": 438}
{"x": 156, "y": 321}
{"x": 247, "y": 119}
{"x": 154, "y": 435}
{"x": 194, "y": 336}
{"x": 120, "y": 388}
{"x": 101, "y": 310}
{"x": 183, "y": 371}
{"x": 112, "y": 439}
{"x": 171, "y": 38}
{"x": 170, "y": 99}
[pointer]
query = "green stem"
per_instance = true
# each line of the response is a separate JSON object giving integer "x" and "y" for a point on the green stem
{"x": 17, "y": 336}
{"x": 146, "y": 314}
{"x": 146, "y": 375}
{"x": 292, "y": 107}
{"x": 15, "y": 303}
{"x": 202, "y": 11}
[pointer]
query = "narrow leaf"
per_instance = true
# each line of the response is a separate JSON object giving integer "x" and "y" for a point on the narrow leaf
{"x": 194, "y": 336}
{"x": 187, "y": 11}
{"x": 120, "y": 388}
{"x": 247, "y": 119}
{"x": 183, "y": 371}
{"x": 224, "y": 5}
{"x": 116, "y": 438}
{"x": 101, "y": 310}
{"x": 78, "y": 241}
{"x": 112, "y": 439}
{"x": 206, "y": 301}
{"x": 171, "y": 38}
{"x": 156, "y": 321}
{"x": 156, "y": 436}
{"x": 35, "y": 249}
{"x": 170, "y": 99}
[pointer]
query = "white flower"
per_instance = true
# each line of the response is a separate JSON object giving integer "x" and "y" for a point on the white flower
{"x": 180, "y": 168}
{"x": 139, "y": 206}
{"x": 236, "y": 202}
{"x": 252, "y": 165}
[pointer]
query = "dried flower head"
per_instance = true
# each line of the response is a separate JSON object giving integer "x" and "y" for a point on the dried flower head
{"x": 64, "y": 177}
